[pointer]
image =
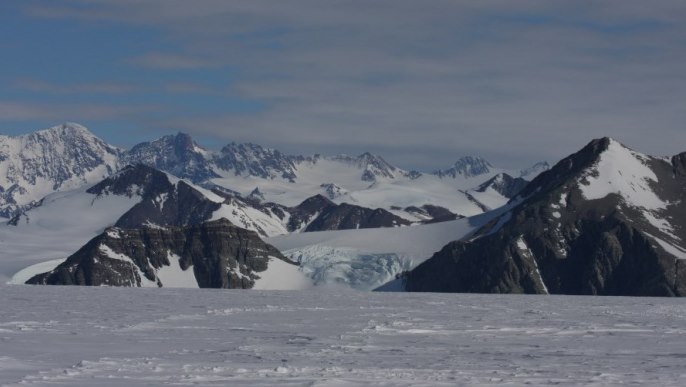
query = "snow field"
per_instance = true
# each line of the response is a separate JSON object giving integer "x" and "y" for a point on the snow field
{"x": 73, "y": 336}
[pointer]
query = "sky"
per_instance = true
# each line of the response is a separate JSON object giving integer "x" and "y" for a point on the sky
{"x": 420, "y": 82}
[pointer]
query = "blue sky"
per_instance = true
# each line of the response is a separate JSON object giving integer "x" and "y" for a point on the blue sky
{"x": 420, "y": 82}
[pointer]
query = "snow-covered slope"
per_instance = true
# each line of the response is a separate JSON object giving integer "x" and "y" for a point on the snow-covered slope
{"x": 85, "y": 337}
{"x": 59, "y": 158}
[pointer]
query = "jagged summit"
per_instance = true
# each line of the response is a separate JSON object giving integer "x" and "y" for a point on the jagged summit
{"x": 239, "y": 168}
{"x": 177, "y": 154}
{"x": 62, "y": 157}
{"x": 467, "y": 166}
{"x": 256, "y": 160}
{"x": 372, "y": 166}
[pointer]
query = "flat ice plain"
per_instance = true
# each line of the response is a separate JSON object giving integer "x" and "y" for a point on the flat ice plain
{"x": 77, "y": 336}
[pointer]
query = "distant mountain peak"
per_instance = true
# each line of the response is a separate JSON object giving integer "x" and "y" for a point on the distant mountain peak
{"x": 256, "y": 160}
{"x": 177, "y": 154}
{"x": 61, "y": 157}
{"x": 67, "y": 127}
{"x": 467, "y": 166}
{"x": 373, "y": 166}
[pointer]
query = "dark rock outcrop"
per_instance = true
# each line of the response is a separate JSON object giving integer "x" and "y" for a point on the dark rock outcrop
{"x": 219, "y": 254}
{"x": 318, "y": 213}
{"x": 164, "y": 202}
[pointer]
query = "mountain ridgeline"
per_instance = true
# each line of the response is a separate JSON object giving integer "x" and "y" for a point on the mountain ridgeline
{"x": 604, "y": 221}
{"x": 210, "y": 255}
{"x": 68, "y": 156}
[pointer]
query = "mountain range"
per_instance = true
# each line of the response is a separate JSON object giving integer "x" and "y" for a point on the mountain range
{"x": 606, "y": 220}
{"x": 69, "y": 156}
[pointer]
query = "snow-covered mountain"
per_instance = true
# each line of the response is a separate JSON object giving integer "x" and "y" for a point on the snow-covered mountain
{"x": 214, "y": 254}
{"x": 60, "y": 158}
{"x": 172, "y": 182}
{"x": 176, "y": 154}
{"x": 69, "y": 156}
{"x": 607, "y": 220}
{"x": 468, "y": 166}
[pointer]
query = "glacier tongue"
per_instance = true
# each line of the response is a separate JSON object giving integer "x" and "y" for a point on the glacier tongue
{"x": 349, "y": 267}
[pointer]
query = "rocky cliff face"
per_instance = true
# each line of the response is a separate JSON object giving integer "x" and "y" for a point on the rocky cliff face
{"x": 214, "y": 254}
{"x": 604, "y": 221}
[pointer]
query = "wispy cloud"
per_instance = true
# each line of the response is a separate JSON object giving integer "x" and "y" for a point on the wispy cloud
{"x": 75, "y": 88}
{"x": 513, "y": 80}
{"x": 158, "y": 60}
{"x": 58, "y": 112}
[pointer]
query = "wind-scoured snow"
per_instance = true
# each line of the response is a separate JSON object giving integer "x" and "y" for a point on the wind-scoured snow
{"x": 624, "y": 172}
{"x": 73, "y": 336}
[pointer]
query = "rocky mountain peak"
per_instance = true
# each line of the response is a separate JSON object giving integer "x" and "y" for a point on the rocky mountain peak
{"x": 605, "y": 220}
{"x": 570, "y": 166}
{"x": 467, "y": 166}
{"x": 177, "y": 154}
{"x": 372, "y": 166}
{"x": 255, "y": 160}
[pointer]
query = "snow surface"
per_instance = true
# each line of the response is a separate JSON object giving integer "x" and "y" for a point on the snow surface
{"x": 26, "y": 274}
{"x": 173, "y": 276}
{"x": 73, "y": 336}
{"x": 58, "y": 228}
{"x": 282, "y": 276}
{"x": 490, "y": 198}
{"x": 623, "y": 171}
